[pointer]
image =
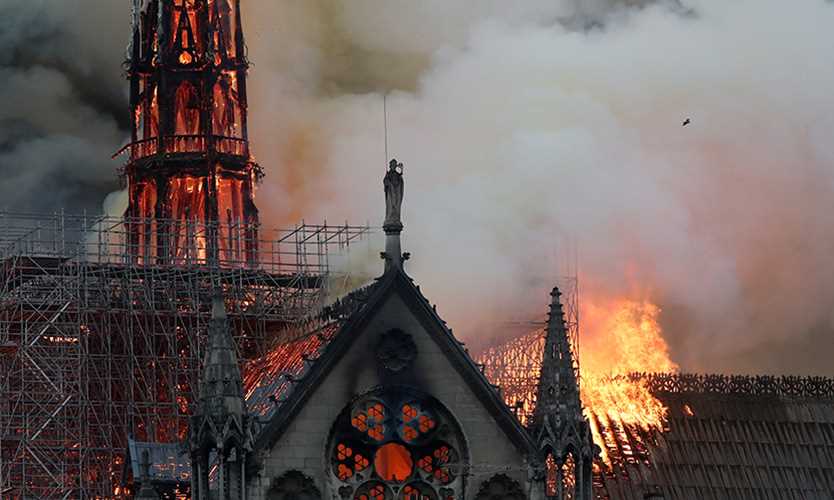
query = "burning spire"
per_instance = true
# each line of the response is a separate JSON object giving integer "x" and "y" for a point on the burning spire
{"x": 190, "y": 174}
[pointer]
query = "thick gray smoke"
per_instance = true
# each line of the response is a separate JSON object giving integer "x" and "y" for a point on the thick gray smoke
{"x": 522, "y": 125}
{"x": 526, "y": 124}
{"x": 63, "y": 105}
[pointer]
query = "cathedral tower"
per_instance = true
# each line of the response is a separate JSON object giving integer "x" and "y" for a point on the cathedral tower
{"x": 190, "y": 174}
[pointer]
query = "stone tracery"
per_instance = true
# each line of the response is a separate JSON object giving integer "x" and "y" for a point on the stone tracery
{"x": 396, "y": 443}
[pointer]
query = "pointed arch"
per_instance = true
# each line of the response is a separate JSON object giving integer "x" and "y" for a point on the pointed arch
{"x": 227, "y": 115}
{"x": 500, "y": 487}
{"x": 187, "y": 110}
{"x": 293, "y": 485}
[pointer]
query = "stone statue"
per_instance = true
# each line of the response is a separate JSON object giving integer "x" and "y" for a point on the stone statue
{"x": 393, "y": 183}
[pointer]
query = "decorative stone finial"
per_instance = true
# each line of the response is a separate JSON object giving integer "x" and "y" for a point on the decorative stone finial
{"x": 393, "y": 225}
{"x": 393, "y": 183}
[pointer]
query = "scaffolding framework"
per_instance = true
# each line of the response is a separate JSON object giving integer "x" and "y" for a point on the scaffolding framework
{"x": 99, "y": 342}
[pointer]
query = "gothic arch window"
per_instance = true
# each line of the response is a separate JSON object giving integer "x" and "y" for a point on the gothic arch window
{"x": 293, "y": 485}
{"x": 396, "y": 443}
{"x": 227, "y": 117}
{"x": 500, "y": 487}
{"x": 187, "y": 106}
{"x": 561, "y": 477}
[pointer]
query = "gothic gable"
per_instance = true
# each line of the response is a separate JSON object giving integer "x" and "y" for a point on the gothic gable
{"x": 395, "y": 340}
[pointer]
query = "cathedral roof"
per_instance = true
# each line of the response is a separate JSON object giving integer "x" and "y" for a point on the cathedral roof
{"x": 728, "y": 437}
{"x": 269, "y": 379}
{"x": 276, "y": 390}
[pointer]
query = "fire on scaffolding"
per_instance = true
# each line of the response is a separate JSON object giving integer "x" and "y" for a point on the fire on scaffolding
{"x": 97, "y": 345}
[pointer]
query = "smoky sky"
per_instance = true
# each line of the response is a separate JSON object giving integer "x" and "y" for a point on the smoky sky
{"x": 63, "y": 104}
{"x": 527, "y": 128}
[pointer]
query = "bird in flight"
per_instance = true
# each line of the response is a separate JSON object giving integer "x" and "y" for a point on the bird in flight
{"x": 686, "y": 122}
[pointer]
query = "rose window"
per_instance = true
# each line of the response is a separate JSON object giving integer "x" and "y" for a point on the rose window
{"x": 396, "y": 444}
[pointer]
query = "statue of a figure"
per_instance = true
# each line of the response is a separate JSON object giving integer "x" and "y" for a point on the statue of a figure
{"x": 393, "y": 183}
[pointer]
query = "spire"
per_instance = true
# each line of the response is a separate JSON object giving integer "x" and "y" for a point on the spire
{"x": 393, "y": 225}
{"x": 557, "y": 400}
{"x": 560, "y": 429}
{"x": 221, "y": 391}
{"x": 220, "y": 432}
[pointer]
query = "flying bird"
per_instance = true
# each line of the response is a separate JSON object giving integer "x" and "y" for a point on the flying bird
{"x": 686, "y": 122}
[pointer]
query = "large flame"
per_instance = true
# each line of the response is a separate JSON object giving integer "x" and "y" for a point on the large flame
{"x": 620, "y": 338}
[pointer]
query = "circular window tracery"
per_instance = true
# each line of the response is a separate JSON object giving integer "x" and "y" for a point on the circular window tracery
{"x": 398, "y": 444}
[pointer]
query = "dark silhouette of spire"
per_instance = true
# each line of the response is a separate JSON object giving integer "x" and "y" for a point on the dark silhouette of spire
{"x": 559, "y": 426}
{"x": 221, "y": 386}
{"x": 220, "y": 433}
{"x": 558, "y": 394}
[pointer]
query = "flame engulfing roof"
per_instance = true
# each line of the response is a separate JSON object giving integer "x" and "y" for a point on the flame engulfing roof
{"x": 727, "y": 437}
{"x": 268, "y": 380}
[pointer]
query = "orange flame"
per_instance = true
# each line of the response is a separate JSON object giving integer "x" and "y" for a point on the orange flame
{"x": 624, "y": 337}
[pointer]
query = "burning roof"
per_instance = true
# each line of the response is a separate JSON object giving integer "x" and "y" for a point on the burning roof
{"x": 726, "y": 437}
{"x": 269, "y": 380}
{"x": 734, "y": 437}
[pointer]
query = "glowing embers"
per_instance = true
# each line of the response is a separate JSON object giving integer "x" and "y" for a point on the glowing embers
{"x": 188, "y": 231}
{"x": 560, "y": 481}
{"x": 223, "y": 19}
{"x": 237, "y": 234}
{"x": 393, "y": 462}
{"x": 186, "y": 58}
{"x": 370, "y": 420}
{"x": 227, "y": 115}
{"x": 184, "y": 26}
{"x": 187, "y": 115}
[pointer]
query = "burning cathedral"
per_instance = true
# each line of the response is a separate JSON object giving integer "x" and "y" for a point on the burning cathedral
{"x": 178, "y": 351}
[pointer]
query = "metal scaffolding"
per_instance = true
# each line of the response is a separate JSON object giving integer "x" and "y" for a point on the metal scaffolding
{"x": 100, "y": 340}
{"x": 514, "y": 364}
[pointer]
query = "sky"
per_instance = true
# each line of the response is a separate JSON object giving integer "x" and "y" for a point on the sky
{"x": 532, "y": 134}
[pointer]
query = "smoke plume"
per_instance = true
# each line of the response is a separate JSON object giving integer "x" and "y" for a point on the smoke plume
{"x": 527, "y": 129}
{"x": 523, "y": 126}
{"x": 63, "y": 106}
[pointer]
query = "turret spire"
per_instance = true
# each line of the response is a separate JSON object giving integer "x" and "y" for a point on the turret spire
{"x": 221, "y": 389}
{"x": 562, "y": 433}
{"x": 558, "y": 394}
{"x": 220, "y": 433}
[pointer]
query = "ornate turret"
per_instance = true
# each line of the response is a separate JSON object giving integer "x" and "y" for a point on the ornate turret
{"x": 561, "y": 431}
{"x": 189, "y": 168}
{"x": 220, "y": 431}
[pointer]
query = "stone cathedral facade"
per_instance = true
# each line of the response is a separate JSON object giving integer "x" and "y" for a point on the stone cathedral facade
{"x": 385, "y": 404}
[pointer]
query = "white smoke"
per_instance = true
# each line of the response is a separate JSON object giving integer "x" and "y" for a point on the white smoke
{"x": 521, "y": 122}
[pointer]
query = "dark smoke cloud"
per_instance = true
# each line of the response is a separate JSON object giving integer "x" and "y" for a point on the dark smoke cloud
{"x": 63, "y": 106}
{"x": 519, "y": 122}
